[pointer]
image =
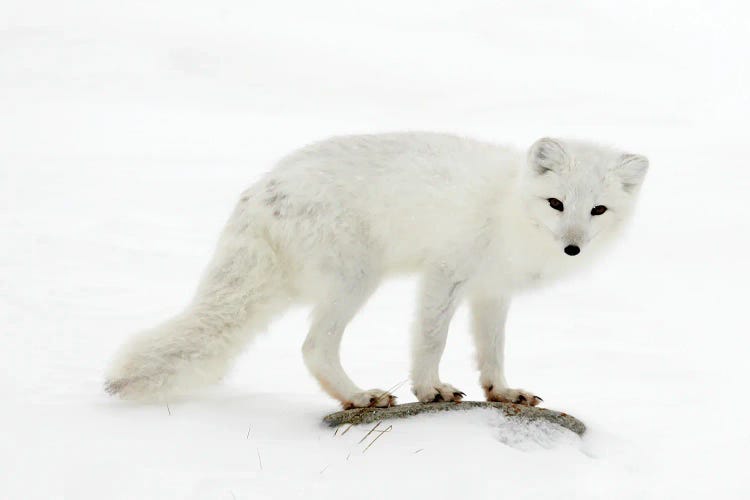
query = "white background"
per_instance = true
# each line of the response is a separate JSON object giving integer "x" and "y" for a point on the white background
{"x": 128, "y": 129}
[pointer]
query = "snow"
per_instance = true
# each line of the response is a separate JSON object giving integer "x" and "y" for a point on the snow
{"x": 128, "y": 130}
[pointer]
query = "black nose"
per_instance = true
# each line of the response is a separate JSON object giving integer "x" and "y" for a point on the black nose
{"x": 572, "y": 250}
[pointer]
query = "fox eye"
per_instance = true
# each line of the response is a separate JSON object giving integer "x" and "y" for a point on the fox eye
{"x": 556, "y": 204}
{"x": 598, "y": 210}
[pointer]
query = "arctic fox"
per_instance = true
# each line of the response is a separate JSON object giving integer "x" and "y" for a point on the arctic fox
{"x": 477, "y": 221}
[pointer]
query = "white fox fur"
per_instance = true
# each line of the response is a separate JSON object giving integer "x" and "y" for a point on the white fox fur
{"x": 332, "y": 219}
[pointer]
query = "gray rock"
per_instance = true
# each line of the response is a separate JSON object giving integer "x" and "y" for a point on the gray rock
{"x": 531, "y": 413}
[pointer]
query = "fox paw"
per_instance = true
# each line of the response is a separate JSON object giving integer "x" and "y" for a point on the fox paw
{"x": 438, "y": 393}
{"x": 516, "y": 396}
{"x": 374, "y": 398}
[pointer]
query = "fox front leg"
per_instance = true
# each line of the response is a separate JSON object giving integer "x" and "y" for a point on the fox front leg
{"x": 439, "y": 298}
{"x": 488, "y": 326}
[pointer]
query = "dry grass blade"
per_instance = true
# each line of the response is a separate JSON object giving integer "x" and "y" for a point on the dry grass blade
{"x": 371, "y": 431}
{"x": 389, "y": 392}
{"x": 347, "y": 429}
{"x": 380, "y": 433}
{"x": 397, "y": 385}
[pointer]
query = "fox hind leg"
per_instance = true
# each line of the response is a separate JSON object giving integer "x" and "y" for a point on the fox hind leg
{"x": 321, "y": 347}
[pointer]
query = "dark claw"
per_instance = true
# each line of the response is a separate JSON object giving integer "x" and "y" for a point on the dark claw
{"x": 520, "y": 399}
{"x": 540, "y": 399}
{"x": 459, "y": 394}
{"x": 438, "y": 397}
{"x": 372, "y": 400}
{"x": 490, "y": 387}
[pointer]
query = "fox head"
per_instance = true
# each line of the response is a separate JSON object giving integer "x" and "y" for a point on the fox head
{"x": 580, "y": 193}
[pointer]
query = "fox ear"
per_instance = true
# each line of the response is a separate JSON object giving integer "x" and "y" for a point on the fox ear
{"x": 632, "y": 169}
{"x": 547, "y": 155}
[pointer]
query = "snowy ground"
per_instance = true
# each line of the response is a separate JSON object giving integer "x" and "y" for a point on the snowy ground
{"x": 128, "y": 129}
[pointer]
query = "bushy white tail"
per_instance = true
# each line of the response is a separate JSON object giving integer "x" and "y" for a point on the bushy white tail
{"x": 241, "y": 291}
